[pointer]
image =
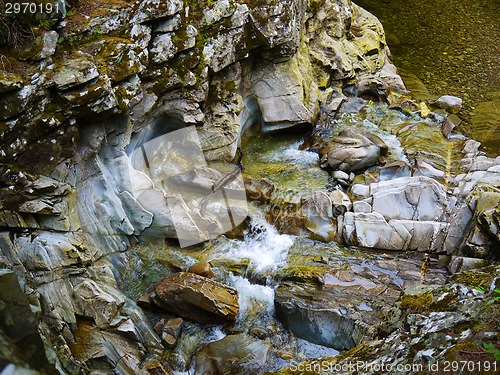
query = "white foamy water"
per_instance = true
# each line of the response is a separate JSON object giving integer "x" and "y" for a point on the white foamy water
{"x": 291, "y": 154}
{"x": 215, "y": 334}
{"x": 263, "y": 246}
{"x": 390, "y": 140}
{"x": 253, "y": 297}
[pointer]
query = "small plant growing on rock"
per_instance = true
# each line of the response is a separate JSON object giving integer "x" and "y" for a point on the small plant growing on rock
{"x": 496, "y": 297}
{"x": 490, "y": 348}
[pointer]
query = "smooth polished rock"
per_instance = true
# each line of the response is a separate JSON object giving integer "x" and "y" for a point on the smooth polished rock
{"x": 234, "y": 354}
{"x": 353, "y": 150}
{"x": 315, "y": 321}
{"x": 409, "y": 198}
{"x": 450, "y": 103}
{"x": 202, "y": 268}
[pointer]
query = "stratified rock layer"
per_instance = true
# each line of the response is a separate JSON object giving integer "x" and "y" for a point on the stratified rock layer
{"x": 197, "y": 298}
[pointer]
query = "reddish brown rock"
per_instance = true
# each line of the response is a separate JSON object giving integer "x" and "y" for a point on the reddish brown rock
{"x": 196, "y": 298}
{"x": 202, "y": 268}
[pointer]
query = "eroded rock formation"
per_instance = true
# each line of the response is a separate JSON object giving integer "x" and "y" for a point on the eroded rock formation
{"x": 101, "y": 80}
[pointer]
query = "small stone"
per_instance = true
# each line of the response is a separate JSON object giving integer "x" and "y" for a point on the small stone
{"x": 362, "y": 206}
{"x": 424, "y": 110}
{"x": 339, "y": 175}
{"x": 171, "y": 331}
{"x": 202, "y": 268}
{"x": 259, "y": 190}
{"x": 159, "y": 326}
{"x": 258, "y": 332}
{"x": 341, "y": 202}
{"x": 287, "y": 356}
{"x": 320, "y": 259}
{"x": 145, "y": 301}
{"x": 360, "y": 190}
{"x": 449, "y": 103}
{"x": 451, "y": 122}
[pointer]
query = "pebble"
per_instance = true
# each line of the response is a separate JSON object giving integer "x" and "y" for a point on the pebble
{"x": 202, "y": 268}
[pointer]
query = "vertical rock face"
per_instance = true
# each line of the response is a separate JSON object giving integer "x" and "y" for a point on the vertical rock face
{"x": 105, "y": 80}
{"x": 218, "y": 65}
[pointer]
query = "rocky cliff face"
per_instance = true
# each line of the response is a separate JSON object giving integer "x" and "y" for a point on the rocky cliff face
{"x": 100, "y": 80}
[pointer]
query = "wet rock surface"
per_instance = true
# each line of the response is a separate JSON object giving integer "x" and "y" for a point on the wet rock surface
{"x": 353, "y": 151}
{"x": 196, "y": 297}
{"x": 437, "y": 328}
{"x": 234, "y": 354}
{"x": 84, "y": 178}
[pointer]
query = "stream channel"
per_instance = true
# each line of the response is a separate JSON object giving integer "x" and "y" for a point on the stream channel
{"x": 266, "y": 264}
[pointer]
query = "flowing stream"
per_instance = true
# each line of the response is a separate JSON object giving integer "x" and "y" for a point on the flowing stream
{"x": 264, "y": 258}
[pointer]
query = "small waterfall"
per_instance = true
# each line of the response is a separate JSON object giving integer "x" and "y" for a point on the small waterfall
{"x": 263, "y": 246}
{"x": 253, "y": 298}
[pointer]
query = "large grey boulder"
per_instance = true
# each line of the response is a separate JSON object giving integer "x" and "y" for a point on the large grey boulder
{"x": 372, "y": 230}
{"x": 353, "y": 150}
{"x": 286, "y": 93}
{"x": 406, "y": 213}
{"x": 316, "y": 322}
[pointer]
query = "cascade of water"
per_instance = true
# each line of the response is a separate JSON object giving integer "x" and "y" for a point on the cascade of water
{"x": 262, "y": 245}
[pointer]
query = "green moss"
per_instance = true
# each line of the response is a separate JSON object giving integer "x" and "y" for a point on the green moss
{"x": 315, "y": 5}
{"x": 476, "y": 278}
{"x": 427, "y": 302}
{"x": 72, "y": 42}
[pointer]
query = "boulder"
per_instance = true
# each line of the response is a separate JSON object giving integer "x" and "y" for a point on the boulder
{"x": 285, "y": 92}
{"x": 461, "y": 264}
{"x": 196, "y": 298}
{"x": 234, "y": 354}
{"x": 318, "y": 214}
{"x": 372, "y": 230}
{"x": 316, "y": 321}
{"x": 353, "y": 150}
{"x": 409, "y": 198}
{"x": 483, "y": 238}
